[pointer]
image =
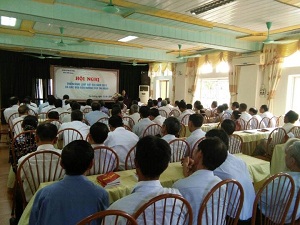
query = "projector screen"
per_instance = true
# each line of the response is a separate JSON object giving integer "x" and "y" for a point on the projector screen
{"x": 84, "y": 83}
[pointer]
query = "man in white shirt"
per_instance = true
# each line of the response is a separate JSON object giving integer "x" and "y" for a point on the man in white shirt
{"x": 87, "y": 106}
{"x": 95, "y": 115}
{"x": 134, "y": 113}
{"x": 170, "y": 128}
{"x": 120, "y": 139}
{"x": 76, "y": 123}
{"x": 165, "y": 107}
{"x": 51, "y": 101}
{"x": 168, "y": 103}
{"x": 228, "y": 170}
{"x": 244, "y": 115}
{"x": 235, "y": 106}
{"x": 264, "y": 110}
{"x": 74, "y": 106}
{"x": 194, "y": 125}
{"x": 65, "y": 100}
{"x": 184, "y": 111}
{"x": 198, "y": 170}
{"x": 45, "y": 138}
{"x": 58, "y": 106}
{"x": 253, "y": 113}
{"x": 30, "y": 105}
{"x": 289, "y": 119}
{"x": 23, "y": 112}
{"x": 151, "y": 159}
{"x": 140, "y": 127}
{"x": 156, "y": 117}
{"x": 14, "y": 105}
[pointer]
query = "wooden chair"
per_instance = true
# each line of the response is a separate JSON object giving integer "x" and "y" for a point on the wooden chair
{"x": 195, "y": 147}
{"x": 32, "y": 112}
{"x": 182, "y": 131}
{"x": 175, "y": 113}
{"x": 153, "y": 129}
{"x": 10, "y": 119}
{"x": 165, "y": 209}
{"x": 85, "y": 121}
{"x": 106, "y": 160}
{"x": 127, "y": 127}
{"x": 4, "y": 130}
{"x": 253, "y": 123}
{"x": 42, "y": 116}
{"x": 295, "y": 220}
{"x": 280, "y": 121}
{"x": 235, "y": 144}
{"x": 129, "y": 160}
{"x": 277, "y": 136}
{"x": 68, "y": 135}
{"x": 225, "y": 116}
{"x": 38, "y": 167}
{"x": 242, "y": 123}
{"x": 57, "y": 123}
{"x": 225, "y": 199}
{"x": 117, "y": 215}
{"x": 185, "y": 119}
{"x": 266, "y": 121}
{"x": 179, "y": 149}
{"x": 295, "y": 131}
{"x": 16, "y": 128}
{"x": 61, "y": 116}
{"x": 273, "y": 199}
{"x": 104, "y": 120}
{"x": 163, "y": 113}
{"x": 129, "y": 121}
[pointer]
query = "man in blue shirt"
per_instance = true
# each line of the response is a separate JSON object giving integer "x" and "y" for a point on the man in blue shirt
{"x": 70, "y": 200}
{"x": 95, "y": 115}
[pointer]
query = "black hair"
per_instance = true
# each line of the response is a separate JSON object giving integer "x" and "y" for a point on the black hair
{"x": 189, "y": 106}
{"x": 76, "y": 115}
{"x": 51, "y": 99}
{"x": 74, "y": 105}
{"x": 236, "y": 114}
{"x": 235, "y": 104}
{"x": 196, "y": 119}
{"x": 66, "y": 97}
{"x": 264, "y": 107}
{"x": 115, "y": 121}
{"x": 168, "y": 100}
{"x": 58, "y": 103}
{"x": 182, "y": 105}
{"x": 154, "y": 112}
{"x": 89, "y": 101}
{"x": 172, "y": 125}
{"x": 225, "y": 106}
{"x": 30, "y": 123}
{"x": 214, "y": 152}
{"x": 144, "y": 111}
{"x": 13, "y": 100}
{"x": 220, "y": 134}
{"x": 150, "y": 103}
{"x": 116, "y": 110}
{"x": 76, "y": 157}
{"x": 155, "y": 102}
{"x": 46, "y": 131}
{"x": 176, "y": 102}
{"x": 228, "y": 126}
{"x": 99, "y": 132}
{"x": 220, "y": 108}
{"x": 26, "y": 101}
{"x": 53, "y": 115}
{"x": 291, "y": 116}
{"x": 23, "y": 109}
{"x": 152, "y": 156}
{"x": 214, "y": 103}
{"x": 159, "y": 99}
{"x": 243, "y": 107}
{"x": 96, "y": 106}
{"x": 253, "y": 110}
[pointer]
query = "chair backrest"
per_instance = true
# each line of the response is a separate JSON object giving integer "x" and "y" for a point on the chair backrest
{"x": 277, "y": 136}
{"x": 22, "y": 144}
{"x": 295, "y": 131}
{"x": 165, "y": 209}
{"x": 175, "y": 113}
{"x": 226, "y": 115}
{"x": 87, "y": 110}
{"x": 127, "y": 127}
{"x": 195, "y": 146}
{"x": 152, "y": 129}
{"x": 38, "y": 167}
{"x": 129, "y": 161}
{"x": 10, "y": 119}
{"x": 61, "y": 116}
{"x": 243, "y": 123}
{"x": 225, "y": 199}
{"x": 129, "y": 120}
{"x": 104, "y": 120}
{"x": 182, "y": 131}
{"x": 295, "y": 211}
{"x": 235, "y": 144}
{"x": 42, "y": 115}
{"x": 105, "y": 160}
{"x": 274, "y": 199}
{"x": 179, "y": 148}
{"x": 68, "y": 135}
{"x": 185, "y": 119}
{"x": 32, "y": 112}
{"x": 57, "y": 123}
{"x": 16, "y": 128}
{"x": 253, "y": 123}
{"x": 266, "y": 121}
{"x": 163, "y": 113}
{"x": 117, "y": 216}
{"x": 280, "y": 121}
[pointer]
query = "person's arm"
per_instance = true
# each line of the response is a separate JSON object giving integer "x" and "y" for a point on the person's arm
{"x": 38, "y": 208}
{"x": 187, "y": 164}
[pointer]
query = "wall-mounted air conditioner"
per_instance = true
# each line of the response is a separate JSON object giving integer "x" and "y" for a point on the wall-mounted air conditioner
{"x": 251, "y": 59}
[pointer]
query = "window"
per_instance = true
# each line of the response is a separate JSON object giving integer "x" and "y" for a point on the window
{"x": 43, "y": 88}
{"x": 163, "y": 89}
{"x": 292, "y": 60}
{"x": 294, "y": 93}
{"x": 209, "y": 90}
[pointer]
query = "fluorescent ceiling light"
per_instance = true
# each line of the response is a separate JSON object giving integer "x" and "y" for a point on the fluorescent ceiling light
{"x": 209, "y": 6}
{"x": 8, "y": 21}
{"x": 128, "y": 38}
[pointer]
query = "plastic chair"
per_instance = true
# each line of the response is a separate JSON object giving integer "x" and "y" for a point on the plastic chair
{"x": 116, "y": 214}
{"x": 165, "y": 209}
{"x": 275, "y": 197}
{"x": 105, "y": 160}
{"x": 277, "y": 136}
{"x": 179, "y": 148}
{"x": 185, "y": 119}
{"x": 225, "y": 199}
{"x": 253, "y": 123}
{"x": 182, "y": 131}
{"x": 129, "y": 160}
{"x": 295, "y": 131}
{"x": 38, "y": 167}
{"x": 153, "y": 129}
{"x": 175, "y": 113}
{"x": 129, "y": 120}
{"x": 235, "y": 144}
{"x": 68, "y": 135}
{"x": 195, "y": 147}
{"x": 163, "y": 113}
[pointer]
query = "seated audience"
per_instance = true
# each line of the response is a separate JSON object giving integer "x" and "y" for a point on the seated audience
{"x": 14, "y": 106}
{"x": 253, "y": 113}
{"x": 244, "y": 115}
{"x": 183, "y": 110}
{"x": 120, "y": 139}
{"x": 219, "y": 113}
{"x": 235, "y": 116}
{"x": 23, "y": 112}
{"x": 159, "y": 102}
{"x": 87, "y": 106}
{"x": 235, "y": 106}
{"x": 264, "y": 110}
{"x": 165, "y": 107}
{"x": 208, "y": 156}
{"x": 151, "y": 160}
{"x": 292, "y": 161}
{"x": 51, "y": 100}
{"x": 98, "y": 134}
{"x": 66, "y": 102}
{"x": 228, "y": 170}
{"x": 198, "y": 108}
{"x": 194, "y": 125}
{"x": 27, "y": 101}
{"x": 214, "y": 105}
{"x": 140, "y": 127}
{"x": 134, "y": 113}
{"x": 103, "y": 108}
{"x": 150, "y": 103}
{"x": 155, "y": 103}
{"x": 73, "y": 198}
{"x": 170, "y": 129}
{"x": 289, "y": 119}
{"x": 168, "y": 103}
{"x": 59, "y": 106}
{"x": 67, "y": 118}
{"x": 156, "y": 117}
{"x": 95, "y": 115}
{"x": 54, "y": 116}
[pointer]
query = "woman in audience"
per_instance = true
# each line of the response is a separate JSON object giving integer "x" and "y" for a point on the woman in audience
{"x": 235, "y": 116}
{"x": 289, "y": 119}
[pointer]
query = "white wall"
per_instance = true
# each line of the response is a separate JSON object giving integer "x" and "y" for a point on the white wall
{"x": 181, "y": 83}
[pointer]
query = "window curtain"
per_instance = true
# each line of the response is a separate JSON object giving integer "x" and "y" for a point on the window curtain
{"x": 233, "y": 77}
{"x": 173, "y": 82}
{"x": 154, "y": 70}
{"x": 192, "y": 74}
{"x": 272, "y": 70}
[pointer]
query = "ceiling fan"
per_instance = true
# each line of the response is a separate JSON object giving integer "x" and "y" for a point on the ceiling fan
{"x": 62, "y": 43}
{"x": 185, "y": 56}
{"x": 41, "y": 56}
{"x": 135, "y": 63}
{"x": 111, "y": 8}
{"x": 269, "y": 40}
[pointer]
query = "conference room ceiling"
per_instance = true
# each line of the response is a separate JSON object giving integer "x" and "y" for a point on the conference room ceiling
{"x": 91, "y": 30}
